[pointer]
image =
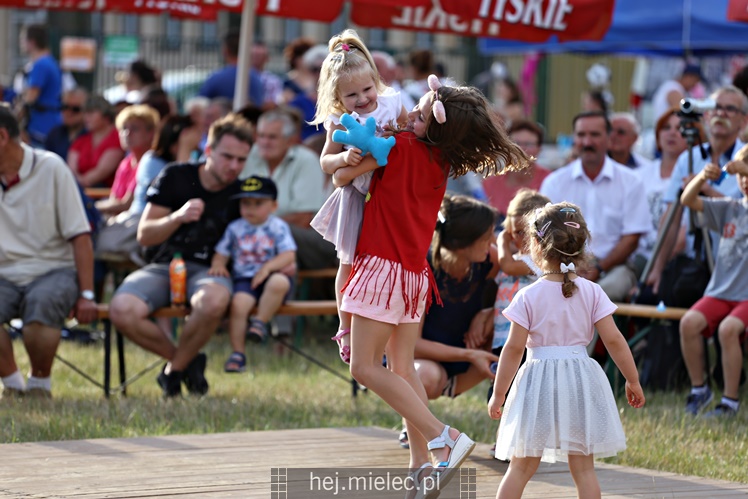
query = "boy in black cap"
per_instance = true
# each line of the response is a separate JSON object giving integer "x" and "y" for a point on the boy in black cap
{"x": 259, "y": 244}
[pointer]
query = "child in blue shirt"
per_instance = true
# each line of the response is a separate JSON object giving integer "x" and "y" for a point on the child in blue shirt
{"x": 259, "y": 245}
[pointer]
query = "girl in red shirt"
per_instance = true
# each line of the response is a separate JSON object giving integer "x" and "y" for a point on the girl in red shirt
{"x": 453, "y": 131}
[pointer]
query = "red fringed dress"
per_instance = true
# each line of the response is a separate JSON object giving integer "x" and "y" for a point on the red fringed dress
{"x": 399, "y": 221}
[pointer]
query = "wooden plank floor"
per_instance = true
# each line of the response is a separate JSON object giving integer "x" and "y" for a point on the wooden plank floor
{"x": 239, "y": 465}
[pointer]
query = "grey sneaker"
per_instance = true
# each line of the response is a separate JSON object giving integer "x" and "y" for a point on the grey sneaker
{"x": 721, "y": 411}
{"x": 695, "y": 403}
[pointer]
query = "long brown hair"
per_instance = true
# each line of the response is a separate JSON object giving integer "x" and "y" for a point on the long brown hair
{"x": 472, "y": 138}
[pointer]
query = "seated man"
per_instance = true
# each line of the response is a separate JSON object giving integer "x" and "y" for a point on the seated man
{"x": 187, "y": 212}
{"x": 612, "y": 199}
{"x": 46, "y": 257}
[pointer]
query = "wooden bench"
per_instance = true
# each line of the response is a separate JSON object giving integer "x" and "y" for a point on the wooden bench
{"x": 97, "y": 192}
{"x": 634, "y": 310}
{"x": 292, "y": 307}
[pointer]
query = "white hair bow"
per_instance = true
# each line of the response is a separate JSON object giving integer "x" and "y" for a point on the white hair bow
{"x": 568, "y": 268}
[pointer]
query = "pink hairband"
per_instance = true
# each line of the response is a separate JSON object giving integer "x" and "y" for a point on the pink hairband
{"x": 437, "y": 107}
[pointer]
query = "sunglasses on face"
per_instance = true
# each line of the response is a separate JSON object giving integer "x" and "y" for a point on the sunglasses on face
{"x": 71, "y": 108}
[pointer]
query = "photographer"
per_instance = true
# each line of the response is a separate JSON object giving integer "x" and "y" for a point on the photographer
{"x": 724, "y": 123}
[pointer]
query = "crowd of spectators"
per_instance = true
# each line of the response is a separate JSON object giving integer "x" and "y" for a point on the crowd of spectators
{"x": 171, "y": 176}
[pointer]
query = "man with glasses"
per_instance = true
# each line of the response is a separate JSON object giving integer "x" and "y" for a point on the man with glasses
{"x": 622, "y": 139}
{"x": 187, "y": 211}
{"x": 60, "y": 137}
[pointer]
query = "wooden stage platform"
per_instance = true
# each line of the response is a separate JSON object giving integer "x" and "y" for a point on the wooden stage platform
{"x": 239, "y": 465}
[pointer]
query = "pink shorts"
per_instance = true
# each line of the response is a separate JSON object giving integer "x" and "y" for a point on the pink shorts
{"x": 716, "y": 309}
{"x": 375, "y": 290}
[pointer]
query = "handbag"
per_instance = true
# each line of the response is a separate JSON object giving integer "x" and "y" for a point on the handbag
{"x": 685, "y": 279}
{"x": 119, "y": 236}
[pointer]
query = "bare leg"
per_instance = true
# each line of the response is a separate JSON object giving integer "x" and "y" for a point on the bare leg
{"x": 344, "y": 271}
{"x": 692, "y": 345}
{"x": 276, "y": 287}
{"x": 400, "y": 357}
{"x": 41, "y": 343}
{"x": 241, "y": 306}
{"x": 369, "y": 337}
{"x": 583, "y": 472}
{"x": 129, "y": 314}
{"x": 209, "y": 305}
{"x": 521, "y": 469}
{"x": 729, "y": 333}
{"x": 7, "y": 360}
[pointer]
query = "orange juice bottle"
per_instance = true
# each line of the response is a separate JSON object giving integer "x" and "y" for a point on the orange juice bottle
{"x": 178, "y": 280}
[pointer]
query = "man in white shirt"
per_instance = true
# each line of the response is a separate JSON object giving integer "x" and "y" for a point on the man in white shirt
{"x": 46, "y": 257}
{"x": 611, "y": 197}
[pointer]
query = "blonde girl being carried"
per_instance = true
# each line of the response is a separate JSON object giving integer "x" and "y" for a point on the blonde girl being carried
{"x": 349, "y": 83}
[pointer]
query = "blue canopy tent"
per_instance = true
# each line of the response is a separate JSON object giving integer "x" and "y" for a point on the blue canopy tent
{"x": 651, "y": 27}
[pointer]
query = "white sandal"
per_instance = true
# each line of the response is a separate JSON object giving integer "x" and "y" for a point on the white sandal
{"x": 461, "y": 447}
{"x": 415, "y": 482}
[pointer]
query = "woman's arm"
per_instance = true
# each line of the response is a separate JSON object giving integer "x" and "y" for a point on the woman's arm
{"x": 113, "y": 206}
{"x": 104, "y": 169}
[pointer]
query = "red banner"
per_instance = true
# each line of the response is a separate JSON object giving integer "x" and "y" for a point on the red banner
{"x": 176, "y": 8}
{"x": 536, "y": 20}
{"x": 80, "y": 5}
{"x": 737, "y": 10}
{"x": 324, "y": 11}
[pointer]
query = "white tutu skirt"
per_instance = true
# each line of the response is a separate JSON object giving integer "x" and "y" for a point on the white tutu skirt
{"x": 339, "y": 220}
{"x": 560, "y": 403}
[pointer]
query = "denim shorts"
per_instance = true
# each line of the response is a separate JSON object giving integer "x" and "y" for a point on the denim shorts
{"x": 151, "y": 283}
{"x": 48, "y": 299}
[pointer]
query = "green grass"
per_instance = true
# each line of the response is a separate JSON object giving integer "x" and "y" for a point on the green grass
{"x": 282, "y": 392}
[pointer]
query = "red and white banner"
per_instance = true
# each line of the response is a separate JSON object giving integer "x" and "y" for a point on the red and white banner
{"x": 737, "y": 10}
{"x": 537, "y": 20}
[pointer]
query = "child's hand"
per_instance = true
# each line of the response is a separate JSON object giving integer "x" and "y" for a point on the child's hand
{"x": 260, "y": 277}
{"x": 635, "y": 395}
{"x": 353, "y": 156}
{"x": 736, "y": 166}
{"x": 711, "y": 171}
{"x": 219, "y": 271}
{"x": 494, "y": 406}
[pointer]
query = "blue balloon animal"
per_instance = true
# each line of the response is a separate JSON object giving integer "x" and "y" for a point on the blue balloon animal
{"x": 364, "y": 138}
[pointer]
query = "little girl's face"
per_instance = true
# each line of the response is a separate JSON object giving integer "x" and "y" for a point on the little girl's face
{"x": 358, "y": 93}
{"x": 516, "y": 228}
{"x": 418, "y": 115}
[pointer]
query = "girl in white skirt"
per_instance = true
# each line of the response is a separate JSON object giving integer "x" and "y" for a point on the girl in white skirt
{"x": 349, "y": 83}
{"x": 561, "y": 406}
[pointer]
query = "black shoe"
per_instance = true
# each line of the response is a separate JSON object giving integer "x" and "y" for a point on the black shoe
{"x": 194, "y": 375}
{"x": 171, "y": 384}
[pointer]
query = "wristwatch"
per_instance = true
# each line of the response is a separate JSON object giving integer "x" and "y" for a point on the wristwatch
{"x": 87, "y": 294}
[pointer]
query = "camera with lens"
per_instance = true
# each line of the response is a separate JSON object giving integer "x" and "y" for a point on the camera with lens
{"x": 696, "y": 106}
